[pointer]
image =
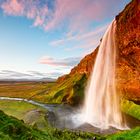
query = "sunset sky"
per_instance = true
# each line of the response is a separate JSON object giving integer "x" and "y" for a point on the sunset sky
{"x": 46, "y": 38}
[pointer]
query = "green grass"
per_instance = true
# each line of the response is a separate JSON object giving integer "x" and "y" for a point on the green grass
{"x": 11, "y": 128}
{"x": 131, "y": 108}
{"x": 18, "y": 109}
{"x": 133, "y": 134}
{"x": 29, "y": 113}
{"x": 14, "y": 129}
{"x": 69, "y": 91}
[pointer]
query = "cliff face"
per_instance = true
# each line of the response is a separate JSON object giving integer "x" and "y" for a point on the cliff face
{"x": 70, "y": 88}
{"x": 128, "y": 43}
{"x": 84, "y": 67}
{"x": 128, "y": 58}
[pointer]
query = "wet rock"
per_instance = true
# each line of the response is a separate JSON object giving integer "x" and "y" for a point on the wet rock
{"x": 51, "y": 118}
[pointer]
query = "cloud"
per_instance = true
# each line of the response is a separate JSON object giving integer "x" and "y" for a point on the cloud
{"x": 71, "y": 61}
{"x": 9, "y": 74}
{"x": 32, "y": 9}
{"x": 50, "y": 14}
{"x": 82, "y": 37}
{"x": 50, "y": 75}
{"x": 12, "y": 7}
{"x": 36, "y": 73}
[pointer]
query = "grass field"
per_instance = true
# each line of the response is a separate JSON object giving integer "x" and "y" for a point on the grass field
{"x": 23, "y": 89}
{"x": 30, "y": 114}
{"x": 18, "y": 109}
{"x": 70, "y": 91}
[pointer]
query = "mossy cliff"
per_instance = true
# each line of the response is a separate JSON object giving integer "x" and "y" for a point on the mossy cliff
{"x": 70, "y": 88}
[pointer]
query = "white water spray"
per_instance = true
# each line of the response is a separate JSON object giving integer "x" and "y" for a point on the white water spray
{"x": 102, "y": 107}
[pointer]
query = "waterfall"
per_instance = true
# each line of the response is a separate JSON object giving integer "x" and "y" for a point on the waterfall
{"x": 102, "y": 105}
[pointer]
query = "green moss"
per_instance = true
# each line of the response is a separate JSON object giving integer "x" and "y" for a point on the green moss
{"x": 131, "y": 108}
{"x": 78, "y": 90}
{"x": 69, "y": 91}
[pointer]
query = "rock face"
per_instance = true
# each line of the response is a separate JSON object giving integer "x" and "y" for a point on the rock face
{"x": 84, "y": 67}
{"x": 86, "y": 64}
{"x": 128, "y": 42}
{"x": 70, "y": 88}
{"x": 128, "y": 60}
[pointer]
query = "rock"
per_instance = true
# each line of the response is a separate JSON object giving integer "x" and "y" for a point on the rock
{"x": 128, "y": 54}
{"x": 50, "y": 117}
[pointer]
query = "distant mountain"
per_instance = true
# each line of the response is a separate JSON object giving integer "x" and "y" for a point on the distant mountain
{"x": 26, "y": 80}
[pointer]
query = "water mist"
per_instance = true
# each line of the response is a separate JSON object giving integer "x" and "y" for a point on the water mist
{"x": 102, "y": 105}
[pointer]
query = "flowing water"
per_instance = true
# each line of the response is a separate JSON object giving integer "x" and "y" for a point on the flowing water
{"x": 102, "y": 107}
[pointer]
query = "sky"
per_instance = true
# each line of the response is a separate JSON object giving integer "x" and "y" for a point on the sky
{"x": 46, "y": 38}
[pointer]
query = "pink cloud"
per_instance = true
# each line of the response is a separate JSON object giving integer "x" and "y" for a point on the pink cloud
{"x": 77, "y": 14}
{"x": 59, "y": 62}
{"x": 81, "y": 13}
{"x": 12, "y": 7}
{"x": 85, "y": 36}
{"x": 29, "y": 9}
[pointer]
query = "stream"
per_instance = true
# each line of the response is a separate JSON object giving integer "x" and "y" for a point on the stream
{"x": 64, "y": 116}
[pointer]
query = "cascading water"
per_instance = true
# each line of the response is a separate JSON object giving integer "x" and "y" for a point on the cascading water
{"x": 102, "y": 107}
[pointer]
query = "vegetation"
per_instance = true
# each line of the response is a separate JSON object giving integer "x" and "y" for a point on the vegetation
{"x": 69, "y": 91}
{"x": 14, "y": 129}
{"x": 130, "y": 108}
{"x": 133, "y": 134}
{"x": 18, "y": 109}
{"x": 23, "y": 89}
{"x": 29, "y": 113}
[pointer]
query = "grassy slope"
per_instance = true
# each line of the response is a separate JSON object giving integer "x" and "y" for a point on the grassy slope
{"x": 17, "y": 108}
{"x": 13, "y": 129}
{"x": 69, "y": 91}
{"x": 131, "y": 108}
{"x": 30, "y": 114}
{"x": 133, "y": 134}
